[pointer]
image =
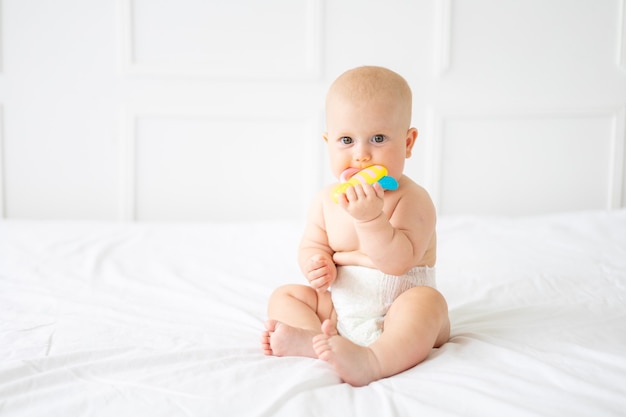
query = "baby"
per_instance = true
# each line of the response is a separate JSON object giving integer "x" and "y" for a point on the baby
{"x": 371, "y": 309}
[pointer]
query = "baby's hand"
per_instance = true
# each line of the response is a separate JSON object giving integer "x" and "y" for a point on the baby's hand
{"x": 363, "y": 202}
{"x": 320, "y": 272}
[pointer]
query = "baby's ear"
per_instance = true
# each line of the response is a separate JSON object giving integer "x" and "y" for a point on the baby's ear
{"x": 411, "y": 138}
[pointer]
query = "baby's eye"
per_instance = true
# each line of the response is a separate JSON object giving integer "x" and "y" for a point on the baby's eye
{"x": 378, "y": 138}
{"x": 346, "y": 140}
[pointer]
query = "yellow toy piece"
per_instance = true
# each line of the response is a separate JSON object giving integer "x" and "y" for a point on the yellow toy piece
{"x": 369, "y": 175}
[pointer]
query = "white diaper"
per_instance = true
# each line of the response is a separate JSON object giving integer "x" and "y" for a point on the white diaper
{"x": 362, "y": 296}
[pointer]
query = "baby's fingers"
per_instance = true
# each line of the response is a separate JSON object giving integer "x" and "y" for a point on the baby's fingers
{"x": 320, "y": 284}
{"x": 317, "y": 273}
{"x": 316, "y": 262}
{"x": 380, "y": 191}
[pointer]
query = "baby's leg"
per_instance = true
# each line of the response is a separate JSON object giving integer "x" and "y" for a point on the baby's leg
{"x": 416, "y": 322}
{"x": 295, "y": 315}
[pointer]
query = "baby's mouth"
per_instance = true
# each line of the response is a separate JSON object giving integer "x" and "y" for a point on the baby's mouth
{"x": 348, "y": 173}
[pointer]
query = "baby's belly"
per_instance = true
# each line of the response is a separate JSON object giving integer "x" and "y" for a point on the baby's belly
{"x": 356, "y": 258}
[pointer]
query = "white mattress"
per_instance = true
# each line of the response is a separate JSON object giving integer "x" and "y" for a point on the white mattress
{"x": 107, "y": 319}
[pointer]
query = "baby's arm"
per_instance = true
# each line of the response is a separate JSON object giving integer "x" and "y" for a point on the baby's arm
{"x": 397, "y": 241}
{"x": 315, "y": 256}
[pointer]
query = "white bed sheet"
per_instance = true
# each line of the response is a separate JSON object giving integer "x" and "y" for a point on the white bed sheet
{"x": 105, "y": 319}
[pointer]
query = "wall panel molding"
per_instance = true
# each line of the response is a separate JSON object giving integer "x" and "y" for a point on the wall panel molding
{"x": 617, "y": 193}
{"x": 127, "y": 164}
{"x": 1, "y": 39}
{"x": 442, "y": 36}
{"x": 308, "y": 160}
{"x": 309, "y": 69}
{"x": 621, "y": 33}
{"x": 613, "y": 118}
{"x": 2, "y": 167}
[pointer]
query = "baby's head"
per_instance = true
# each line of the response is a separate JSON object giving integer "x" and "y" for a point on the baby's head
{"x": 368, "y": 118}
{"x": 371, "y": 83}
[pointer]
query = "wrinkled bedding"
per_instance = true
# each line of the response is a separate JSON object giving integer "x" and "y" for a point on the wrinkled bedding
{"x": 113, "y": 319}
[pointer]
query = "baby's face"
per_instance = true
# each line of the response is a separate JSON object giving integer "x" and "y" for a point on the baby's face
{"x": 365, "y": 133}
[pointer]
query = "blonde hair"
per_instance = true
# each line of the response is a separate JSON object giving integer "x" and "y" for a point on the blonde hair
{"x": 371, "y": 82}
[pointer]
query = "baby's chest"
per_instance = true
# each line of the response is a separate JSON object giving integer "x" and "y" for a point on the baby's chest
{"x": 340, "y": 226}
{"x": 341, "y": 233}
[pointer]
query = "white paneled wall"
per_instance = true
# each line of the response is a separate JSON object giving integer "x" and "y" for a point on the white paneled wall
{"x": 546, "y": 161}
{"x": 534, "y": 108}
{"x": 195, "y": 164}
{"x": 273, "y": 39}
{"x": 166, "y": 110}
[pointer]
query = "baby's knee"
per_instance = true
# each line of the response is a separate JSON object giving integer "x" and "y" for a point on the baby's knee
{"x": 425, "y": 299}
{"x": 300, "y": 292}
{"x": 320, "y": 303}
{"x": 425, "y": 294}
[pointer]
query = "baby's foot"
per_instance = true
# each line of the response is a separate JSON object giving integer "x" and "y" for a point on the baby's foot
{"x": 280, "y": 339}
{"x": 356, "y": 365}
{"x": 265, "y": 339}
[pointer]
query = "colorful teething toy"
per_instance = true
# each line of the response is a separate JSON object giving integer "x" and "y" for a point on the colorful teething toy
{"x": 369, "y": 175}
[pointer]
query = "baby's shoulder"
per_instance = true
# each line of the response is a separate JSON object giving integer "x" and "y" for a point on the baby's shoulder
{"x": 409, "y": 187}
{"x": 412, "y": 194}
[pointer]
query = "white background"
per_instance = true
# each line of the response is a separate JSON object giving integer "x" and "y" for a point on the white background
{"x": 169, "y": 110}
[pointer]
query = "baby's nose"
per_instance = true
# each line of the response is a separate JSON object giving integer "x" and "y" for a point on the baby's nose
{"x": 361, "y": 154}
